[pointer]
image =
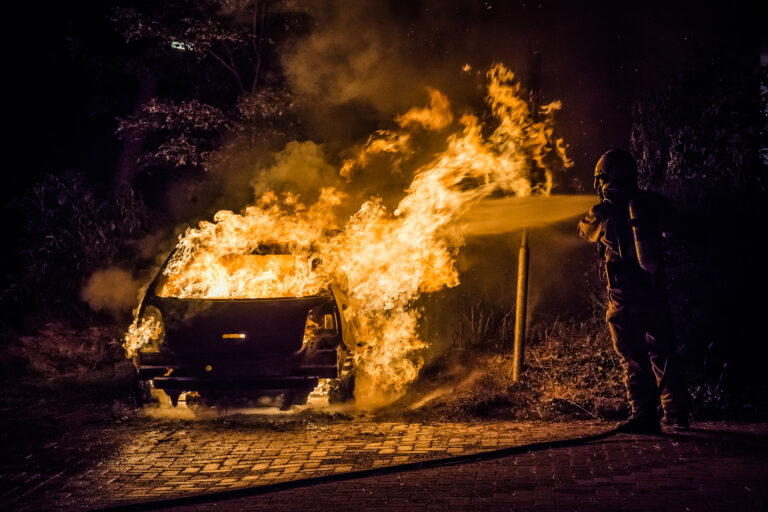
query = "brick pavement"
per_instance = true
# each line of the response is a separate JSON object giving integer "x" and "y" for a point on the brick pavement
{"x": 715, "y": 468}
{"x": 170, "y": 459}
{"x": 173, "y": 459}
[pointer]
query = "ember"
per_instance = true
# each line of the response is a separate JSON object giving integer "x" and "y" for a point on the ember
{"x": 383, "y": 260}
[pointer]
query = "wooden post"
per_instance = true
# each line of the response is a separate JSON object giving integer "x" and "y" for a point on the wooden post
{"x": 522, "y": 302}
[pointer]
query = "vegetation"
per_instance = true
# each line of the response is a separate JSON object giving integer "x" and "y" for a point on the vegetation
{"x": 59, "y": 352}
{"x": 72, "y": 228}
{"x": 571, "y": 372}
{"x": 707, "y": 152}
{"x": 220, "y": 57}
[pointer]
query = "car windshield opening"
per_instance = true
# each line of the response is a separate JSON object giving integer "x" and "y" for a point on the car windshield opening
{"x": 269, "y": 273}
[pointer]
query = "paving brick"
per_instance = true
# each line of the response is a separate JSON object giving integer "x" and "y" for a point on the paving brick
{"x": 666, "y": 472}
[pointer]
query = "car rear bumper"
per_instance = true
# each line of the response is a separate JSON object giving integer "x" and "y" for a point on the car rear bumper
{"x": 236, "y": 384}
{"x": 213, "y": 372}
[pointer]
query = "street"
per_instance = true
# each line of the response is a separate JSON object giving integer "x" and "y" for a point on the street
{"x": 714, "y": 465}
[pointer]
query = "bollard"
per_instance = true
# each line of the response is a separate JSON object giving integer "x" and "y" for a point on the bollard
{"x": 522, "y": 300}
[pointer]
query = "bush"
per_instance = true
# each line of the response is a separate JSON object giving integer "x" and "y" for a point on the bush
{"x": 706, "y": 152}
{"x": 57, "y": 350}
{"x": 70, "y": 231}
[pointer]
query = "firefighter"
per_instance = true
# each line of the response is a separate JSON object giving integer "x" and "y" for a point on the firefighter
{"x": 628, "y": 225}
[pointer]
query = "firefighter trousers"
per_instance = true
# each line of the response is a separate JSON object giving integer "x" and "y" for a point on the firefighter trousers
{"x": 641, "y": 328}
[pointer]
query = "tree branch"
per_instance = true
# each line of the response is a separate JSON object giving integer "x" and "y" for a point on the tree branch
{"x": 232, "y": 69}
{"x": 258, "y": 46}
{"x": 233, "y": 66}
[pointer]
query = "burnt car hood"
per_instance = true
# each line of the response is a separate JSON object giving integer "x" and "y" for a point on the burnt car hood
{"x": 264, "y": 326}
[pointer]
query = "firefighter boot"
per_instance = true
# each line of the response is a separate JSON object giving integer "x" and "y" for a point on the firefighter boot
{"x": 646, "y": 423}
{"x": 678, "y": 423}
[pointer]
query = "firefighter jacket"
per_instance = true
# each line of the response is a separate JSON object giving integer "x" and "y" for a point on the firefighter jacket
{"x": 608, "y": 224}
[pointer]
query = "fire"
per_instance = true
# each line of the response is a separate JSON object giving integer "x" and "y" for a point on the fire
{"x": 221, "y": 259}
{"x": 436, "y": 117}
{"x": 141, "y": 333}
{"x": 383, "y": 260}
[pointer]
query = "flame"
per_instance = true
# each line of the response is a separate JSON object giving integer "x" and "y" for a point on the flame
{"x": 140, "y": 333}
{"x": 383, "y": 260}
{"x": 435, "y": 117}
{"x": 221, "y": 259}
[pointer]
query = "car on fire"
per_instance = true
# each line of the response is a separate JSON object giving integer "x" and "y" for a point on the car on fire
{"x": 244, "y": 350}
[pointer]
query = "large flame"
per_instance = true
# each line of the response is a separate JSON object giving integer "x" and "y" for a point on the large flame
{"x": 221, "y": 259}
{"x": 383, "y": 260}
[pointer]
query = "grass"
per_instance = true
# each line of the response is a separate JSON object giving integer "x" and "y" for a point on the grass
{"x": 571, "y": 371}
{"x": 58, "y": 351}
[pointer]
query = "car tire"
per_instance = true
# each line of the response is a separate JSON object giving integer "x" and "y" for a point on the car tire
{"x": 142, "y": 390}
{"x": 199, "y": 403}
{"x": 342, "y": 389}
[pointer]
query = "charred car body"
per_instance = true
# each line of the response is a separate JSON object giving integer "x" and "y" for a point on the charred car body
{"x": 244, "y": 349}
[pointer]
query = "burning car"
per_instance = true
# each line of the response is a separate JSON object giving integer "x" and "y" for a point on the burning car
{"x": 245, "y": 348}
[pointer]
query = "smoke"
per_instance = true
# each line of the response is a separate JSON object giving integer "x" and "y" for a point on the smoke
{"x": 300, "y": 168}
{"x": 350, "y": 56}
{"x": 363, "y": 62}
{"x": 113, "y": 290}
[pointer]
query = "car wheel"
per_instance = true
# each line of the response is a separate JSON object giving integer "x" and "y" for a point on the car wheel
{"x": 142, "y": 390}
{"x": 286, "y": 403}
{"x": 342, "y": 389}
{"x": 198, "y": 403}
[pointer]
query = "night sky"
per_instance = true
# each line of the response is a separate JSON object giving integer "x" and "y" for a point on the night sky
{"x": 67, "y": 86}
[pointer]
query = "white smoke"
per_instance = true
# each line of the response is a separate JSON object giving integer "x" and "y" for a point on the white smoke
{"x": 113, "y": 290}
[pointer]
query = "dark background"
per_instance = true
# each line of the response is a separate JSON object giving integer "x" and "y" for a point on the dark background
{"x": 69, "y": 75}
{"x": 63, "y": 68}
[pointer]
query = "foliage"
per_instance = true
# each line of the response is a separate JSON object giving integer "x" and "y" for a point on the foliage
{"x": 576, "y": 371}
{"x": 712, "y": 139}
{"x": 57, "y": 350}
{"x": 231, "y": 33}
{"x": 485, "y": 324}
{"x": 219, "y": 56}
{"x": 702, "y": 143}
{"x": 188, "y": 131}
{"x": 71, "y": 230}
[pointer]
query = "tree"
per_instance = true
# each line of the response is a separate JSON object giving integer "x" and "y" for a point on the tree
{"x": 72, "y": 228}
{"x": 220, "y": 83}
{"x": 710, "y": 140}
{"x": 702, "y": 143}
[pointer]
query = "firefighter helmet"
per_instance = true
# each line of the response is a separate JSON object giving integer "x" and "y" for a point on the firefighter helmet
{"x": 616, "y": 170}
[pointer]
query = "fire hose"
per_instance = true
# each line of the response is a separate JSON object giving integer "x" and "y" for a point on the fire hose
{"x": 259, "y": 490}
